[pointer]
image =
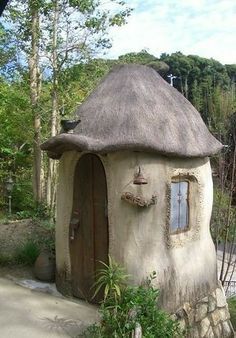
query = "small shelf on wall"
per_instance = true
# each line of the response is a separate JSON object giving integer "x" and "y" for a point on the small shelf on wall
{"x": 137, "y": 200}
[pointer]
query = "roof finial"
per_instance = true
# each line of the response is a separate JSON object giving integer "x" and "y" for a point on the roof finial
{"x": 172, "y": 77}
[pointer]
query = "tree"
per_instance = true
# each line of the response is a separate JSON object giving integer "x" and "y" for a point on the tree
{"x": 7, "y": 50}
{"x": 66, "y": 48}
{"x": 62, "y": 33}
{"x": 35, "y": 86}
{"x": 15, "y": 142}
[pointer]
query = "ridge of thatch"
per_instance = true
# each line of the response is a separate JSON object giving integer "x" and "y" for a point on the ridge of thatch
{"x": 133, "y": 108}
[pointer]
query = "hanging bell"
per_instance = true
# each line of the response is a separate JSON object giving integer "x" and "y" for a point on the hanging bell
{"x": 139, "y": 178}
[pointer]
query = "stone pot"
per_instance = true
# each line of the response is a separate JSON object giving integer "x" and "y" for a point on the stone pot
{"x": 44, "y": 267}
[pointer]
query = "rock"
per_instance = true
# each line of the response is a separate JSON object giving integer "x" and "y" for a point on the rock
{"x": 210, "y": 333}
{"x": 201, "y": 312}
{"x": 182, "y": 324}
{"x": 187, "y": 308}
{"x": 211, "y": 304}
{"x": 220, "y": 298}
{"x": 180, "y": 313}
{"x": 213, "y": 294}
{"x": 174, "y": 317}
{"x": 204, "y": 300}
{"x": 189, "y": 312}
{"x": 193, "y": 333}
{"x": 224, "y": 313}
{"x": 227, "y": 329}
{"x": 216, "y": 317}
{"x": 218, "y": 331}
{"x": 204, "y": 326}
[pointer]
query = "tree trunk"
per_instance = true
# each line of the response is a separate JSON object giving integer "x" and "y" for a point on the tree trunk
{"x": 35, "y": 80}
{"x": 181, "y": 85}
{"x": 186, "y": 86}
{"x": 52, "y": 165}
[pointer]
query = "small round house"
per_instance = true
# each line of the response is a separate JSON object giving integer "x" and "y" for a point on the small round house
{"x": 135, "y": 183}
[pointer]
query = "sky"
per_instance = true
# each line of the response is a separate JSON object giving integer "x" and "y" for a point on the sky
{"x": 202, "y": 27}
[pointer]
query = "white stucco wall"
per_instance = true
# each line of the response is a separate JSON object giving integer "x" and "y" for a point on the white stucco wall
{"x": 138, "y": 237}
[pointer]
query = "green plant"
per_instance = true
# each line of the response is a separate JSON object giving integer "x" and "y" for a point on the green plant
{"x": 122, "y": 310}
{"x": 37, "y": 211}
{"x": 232, "y": 310}
{"x": 23, "y": 214}
{"x": 112, "y": 279}
{"x": 5, "y": 260}
{"x": 220, "y": 212}
{"x": 46, "y": 235}
{"x": 27, "y": 252}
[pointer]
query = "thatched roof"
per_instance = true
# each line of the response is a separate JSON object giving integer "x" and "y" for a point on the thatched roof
{"x": 133, "y": 108}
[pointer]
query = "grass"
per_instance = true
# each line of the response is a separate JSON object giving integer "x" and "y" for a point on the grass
{"x": 5, "y": 260}
{"x": 232, "y": 310}
{"x": 27, "y": 253}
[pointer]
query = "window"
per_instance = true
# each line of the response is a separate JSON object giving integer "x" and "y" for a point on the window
{"x": 179, "y": 213}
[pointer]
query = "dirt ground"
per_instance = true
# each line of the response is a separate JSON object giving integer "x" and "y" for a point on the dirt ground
{"x": 17, "y": 271}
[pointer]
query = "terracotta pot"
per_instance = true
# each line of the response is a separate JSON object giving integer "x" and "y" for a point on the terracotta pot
{"x": 44, "y": 267}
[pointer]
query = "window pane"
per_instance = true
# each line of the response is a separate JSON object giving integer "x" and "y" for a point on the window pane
{"x": 183, "y": 205}
{"x": 179, "y": 206}
{"x": 174, "y": 207}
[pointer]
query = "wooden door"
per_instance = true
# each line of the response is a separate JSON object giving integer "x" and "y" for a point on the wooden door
{"x": 89, "y": 225}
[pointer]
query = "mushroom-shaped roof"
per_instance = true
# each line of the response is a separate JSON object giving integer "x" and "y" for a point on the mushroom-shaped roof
{"x": 133, "y": 108}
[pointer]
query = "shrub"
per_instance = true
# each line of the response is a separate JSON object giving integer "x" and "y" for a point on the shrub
{"x": 5, "y": 260}
{"x": 27, "y": 253}
{"x": 134, "y": 305}
{"x": 112, "y": 280}
{"x": 220, "y": 213}
{"x": 232, "y": 310}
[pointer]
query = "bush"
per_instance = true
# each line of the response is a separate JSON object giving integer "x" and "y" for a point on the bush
{"x": 5, "y": 260}
{"x": 38, "y": 211}
{"x": 27, "y": 253}
{"x": 232, "y": 310}
{"x": 121, "y": 312}
{"x": 220, "y": 213}
{"x": 46, "y": 241}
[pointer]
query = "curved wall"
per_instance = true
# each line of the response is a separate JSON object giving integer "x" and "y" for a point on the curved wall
{"x": 139, "y": 237}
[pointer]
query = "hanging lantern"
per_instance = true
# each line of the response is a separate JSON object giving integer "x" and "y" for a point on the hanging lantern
{"x": 139, "y": 179}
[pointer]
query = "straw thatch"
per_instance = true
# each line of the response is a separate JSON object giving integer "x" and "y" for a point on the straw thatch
{"x": 133, "y": 108}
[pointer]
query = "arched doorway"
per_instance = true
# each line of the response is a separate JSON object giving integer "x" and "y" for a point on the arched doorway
{"x": 89, "y": 225}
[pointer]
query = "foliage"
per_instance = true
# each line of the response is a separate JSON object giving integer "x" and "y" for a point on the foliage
{"x": 126, "y": 306}
{"x": 43, "y": 238}
{"x": 78, "y": 81}
{"x": 145, "y": 58}
{"x": 5, "y": 260}
{"x": 47, "y": 242}
{"x": 219, "y": 216}
{"x": 232, "y": 310}
{"x": 27, "y": 253}
{"x": 208, "y": 84}
{"x": 7, "y": 50}
{"x": 112, "y": 279}
{"x": 51, "y": 36}
{"x": 142, "y": 57}
{"x": 15, "y": 140}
